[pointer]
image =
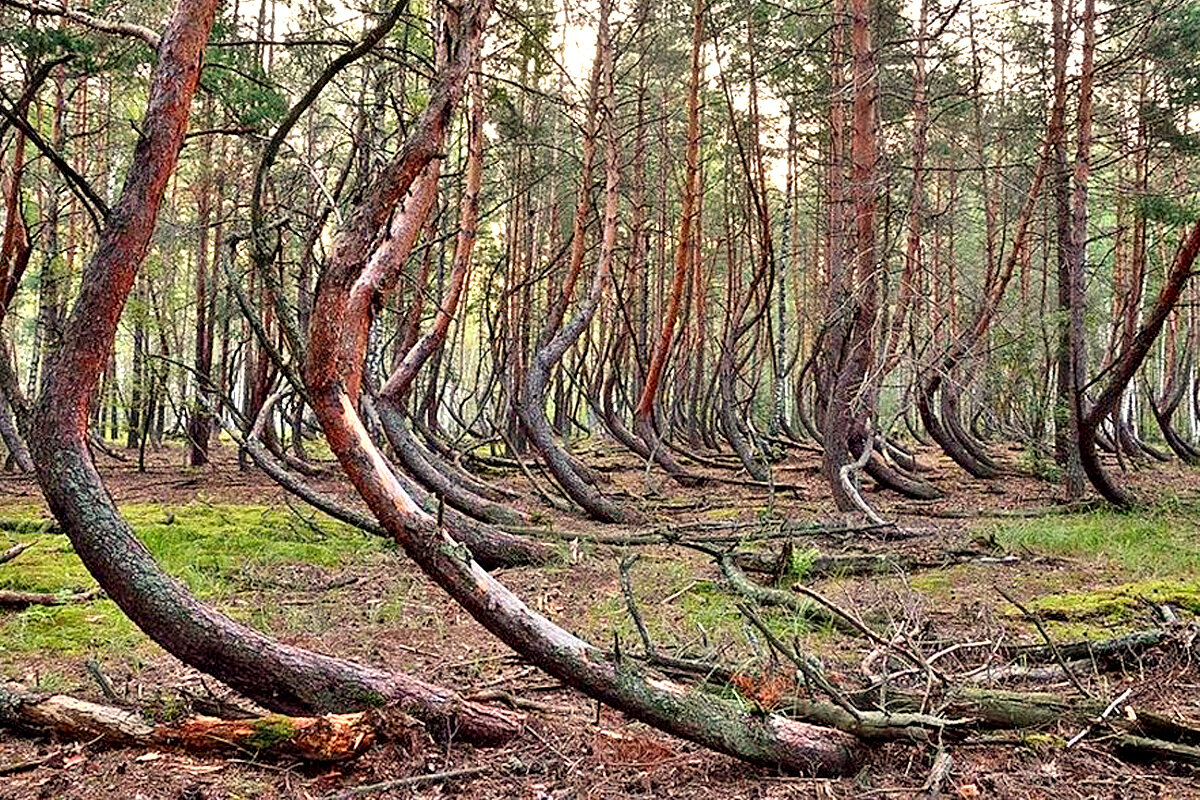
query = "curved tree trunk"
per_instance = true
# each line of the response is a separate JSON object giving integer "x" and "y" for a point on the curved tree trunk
{"x": 278, "y": 676}
{"x": 532, "y": 403}
{"x": 335, "y": 353}
{"x": 1127, "y": 363}
{"x": 643, "y": 423}
{"x": 849, "y": 396}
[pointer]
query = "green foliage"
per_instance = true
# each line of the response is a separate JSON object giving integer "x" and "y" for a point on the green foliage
{"x": 238, "y": 81}
{"x": 1174, "y": 43}
{"x": 1168, "y": 209}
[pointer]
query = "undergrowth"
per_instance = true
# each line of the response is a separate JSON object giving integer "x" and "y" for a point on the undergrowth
{"x": 218, "y": 550}
{"x": 1153, "y": 554}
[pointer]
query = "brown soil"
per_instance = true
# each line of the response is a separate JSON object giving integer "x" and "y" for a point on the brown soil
{"x": 572, "y": 748}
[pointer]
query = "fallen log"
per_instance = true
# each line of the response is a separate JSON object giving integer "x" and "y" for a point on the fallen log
{"x": 1000, "y": 709}
{"x": 19, "y": 600}
{"x": 1108, "y": 651}
{"x": 991, "y": 674}
{"x": 330, "y": 737}
{"x": 1139, "y": 748}
{"x": 823, "y": 566}
{"x": 14, "y": 551}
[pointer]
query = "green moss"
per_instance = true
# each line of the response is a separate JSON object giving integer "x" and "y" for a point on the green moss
{"x": 722, "y": 514}
{"x": 270, "y": 731}
{"x": 70, "y": 630}
{"x": 935, "y": 582}
{"x": 1042, "y": 741}
{"x": 215, "y": 549}
{"x": 1121, "y": 601}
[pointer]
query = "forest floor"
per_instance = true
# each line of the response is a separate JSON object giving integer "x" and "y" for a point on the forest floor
{"x": 242, "y": 545}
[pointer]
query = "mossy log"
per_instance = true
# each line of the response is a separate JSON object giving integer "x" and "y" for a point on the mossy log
{"x": 822, "y": 566}
{"x": 1139, "y": 748}
{"x": 330, "y": 737}
{"x": 1012, "y": 710}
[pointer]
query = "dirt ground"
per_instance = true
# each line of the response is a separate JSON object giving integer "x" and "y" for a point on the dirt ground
{"x": 385, "y": 612}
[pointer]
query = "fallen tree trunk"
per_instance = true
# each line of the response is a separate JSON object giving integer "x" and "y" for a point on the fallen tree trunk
{"x": 1108, "y": 651}
{"x": 860, "y": 563}
{"x": 330, "y": 737}
{"x": 1142, "y": 749}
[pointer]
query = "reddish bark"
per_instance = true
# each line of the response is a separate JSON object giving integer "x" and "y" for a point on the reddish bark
{"x": 278, "y": 676}
{"x": 647, "y": 402}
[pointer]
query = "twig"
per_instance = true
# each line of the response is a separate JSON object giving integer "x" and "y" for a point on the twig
{"x": 942, "y": 764}
{"x": 28, "y": 766}
{"x": 32, "y": 764}
{"x": 415, "y": 780}
{"x": 93, "y": 668}
{"x": 25, "y": 599}
{"x": 811, "y": 674}
{"x": 1103, "y": 716}
{"x": 14, "y": 551}
{"x": 850, "y": 485}
{"x": 910, "y": 655}
{"x": 676, "y": 595}
{"x": 513, "y": 701}
{"x": 631, "y": 603}
{"x": 1062, "y": 662}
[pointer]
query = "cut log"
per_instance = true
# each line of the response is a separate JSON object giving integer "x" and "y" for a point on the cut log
{"x": 331, "y": 737}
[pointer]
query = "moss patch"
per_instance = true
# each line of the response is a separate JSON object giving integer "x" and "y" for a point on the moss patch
{"x": 217, "y": 550}
{"x": 270, "y": 731}
{"x": 1121, "y": 601}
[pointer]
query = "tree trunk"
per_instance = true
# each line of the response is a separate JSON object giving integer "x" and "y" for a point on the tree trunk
{"x": 645, "y": 412}
{"x": 278, "y": 676}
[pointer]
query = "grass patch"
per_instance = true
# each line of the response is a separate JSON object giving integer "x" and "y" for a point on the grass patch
{"x": 1152, "y": 542}
{"x": 217, "y": 550}
{"x": 1158, "y": 548}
